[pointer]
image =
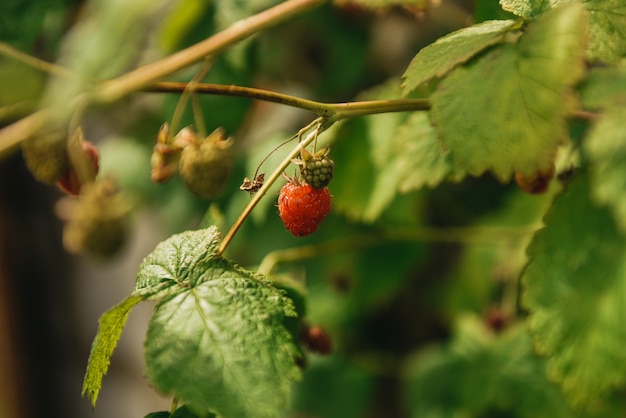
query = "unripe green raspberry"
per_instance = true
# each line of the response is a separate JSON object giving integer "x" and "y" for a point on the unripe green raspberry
{"x": 316, "y": 169}
{"x": 97, "y": 221}
{"x": 206, "y": 166}
{"x": 46, "y": 156}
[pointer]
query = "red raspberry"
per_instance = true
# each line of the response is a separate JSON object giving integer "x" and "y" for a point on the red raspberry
{"x": 316, "y": 340}
{"x": 302, "y": 208}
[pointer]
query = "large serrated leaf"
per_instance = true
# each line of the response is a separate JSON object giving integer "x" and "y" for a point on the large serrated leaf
{"x": 606, "y": 149}
{"x": 575, "y": 289}
{"x": 507, "y": 111}
{"x": 607, "y": 24}
{"x": 437, "y": 59}
{"x": 175, "y": 259}
{"x": 217, "y": 339}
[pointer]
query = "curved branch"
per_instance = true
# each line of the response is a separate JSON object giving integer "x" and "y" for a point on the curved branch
{"x": 335, "y": 111}
{"x": 112, "y": 90}
{"x": 115, "y": 89}
{"x": 321, "y": 109}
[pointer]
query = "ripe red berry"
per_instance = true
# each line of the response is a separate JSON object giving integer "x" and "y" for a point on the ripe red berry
{"x": 302, "y": 208}
{"x": 316, "y": 340}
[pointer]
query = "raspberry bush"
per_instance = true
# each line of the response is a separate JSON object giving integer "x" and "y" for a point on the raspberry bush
{"x": 473, "y": 260}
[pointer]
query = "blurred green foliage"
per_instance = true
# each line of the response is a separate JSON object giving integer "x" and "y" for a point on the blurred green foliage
{"x": 415, "y": 273}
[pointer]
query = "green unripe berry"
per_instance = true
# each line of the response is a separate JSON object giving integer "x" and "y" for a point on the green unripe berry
{"x": 316, "y": 169}
{"x": 46, "y": 156}
{"x": 206, "y": 166}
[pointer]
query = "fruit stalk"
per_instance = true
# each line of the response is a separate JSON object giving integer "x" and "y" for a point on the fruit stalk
{"x": 321, "y": 126}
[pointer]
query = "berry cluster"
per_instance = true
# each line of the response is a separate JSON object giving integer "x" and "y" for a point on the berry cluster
{"x": 316, "y": 169}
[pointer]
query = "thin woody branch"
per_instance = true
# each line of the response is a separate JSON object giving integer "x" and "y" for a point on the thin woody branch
{"x": 336, "y": 111}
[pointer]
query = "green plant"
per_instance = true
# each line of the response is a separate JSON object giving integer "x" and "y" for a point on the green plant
{"x": 522, "y": 294}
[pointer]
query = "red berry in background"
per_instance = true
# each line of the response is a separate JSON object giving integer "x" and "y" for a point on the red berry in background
{"x": 537, "y": 183}
{"x": 69, "y": 182}
{"x": 316, "y": 340}
{"x": 302, "y": 208}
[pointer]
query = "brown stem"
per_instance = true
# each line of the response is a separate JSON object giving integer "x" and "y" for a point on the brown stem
{"x": 112, "y": 90}
{"x": 336, "y": 110}
{"x": 239, "y": 91}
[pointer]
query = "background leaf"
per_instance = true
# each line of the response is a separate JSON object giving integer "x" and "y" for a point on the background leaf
{"x": 607, "y": 23}
{"x": 607, "y": 20}
{"x": 217, "y": 339}
{"x": 575, "y": 288}
{"x": 485, "y": 375}
{"x": 362, "y": 147}
{"x": 418, "y": 158}
{"x": 385, "y": 154}
{"x": 438, "y": 58}
{"x": 606, "y": 149}
{"x": 343, "y": 386}
{"x": 603, "y": 88}
{"x": 105, "y": 43}
{"x": 506, "y": 112}
{"x": 527, "y": 8}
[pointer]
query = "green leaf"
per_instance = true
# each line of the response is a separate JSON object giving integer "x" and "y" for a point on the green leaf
{"x": 402, "y": 155}
{"x": 21, "y": 23}
{"x": 506, "y": 112}
{"x": 575, "y": 287}
{"x": 527, "y": 8}
{"x": 104, "y": 43}
{"x": 604, "y": 88}
{"x": 607, "y": 23}
{"x": 606, "y": 149}
{"x": 365, "y": 155}
{"x": 333, "y": 387}
{"x": 418, "y": 159}
{"x": 490, "y": 10}
{"x": 173, "y": 260}
{"x": 182, "y": 412}
{"x": 483, "y": 375}
{"x": 216, "y": 339}
{"x": 440, "y": 57}
{"x": 111, "y": 324}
